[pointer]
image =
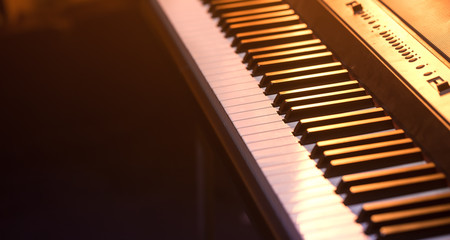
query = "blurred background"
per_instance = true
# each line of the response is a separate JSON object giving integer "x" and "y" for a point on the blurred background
{"x": 97, "y": 128}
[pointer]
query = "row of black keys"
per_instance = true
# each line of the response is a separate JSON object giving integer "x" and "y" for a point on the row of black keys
{"x": 333, "y": 111}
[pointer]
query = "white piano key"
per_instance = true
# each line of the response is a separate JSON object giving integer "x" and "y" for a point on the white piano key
{"x": 268, "y": 152}
{"x": 345, "y": 231}
{"x": 218, "y": 60}
{"x": 322, "y": 201}
{"x": 212, "y": 58}
{"x": 332, "y": 220}
{"x": 244, "y": 100}
{"x": 282, "y": 159}
{"x": 227, "y": 82}
{"x": 215, "y": 71}
{"x": 238, "y": 94}
{"x": 294, "y": 181}
{"x": 195, "y": 40}
{"x": 259, "y": 128}
{"x": 189, "y": 26}
{"x": 245, "y": 123}
{"x": 341, "y": 227}
{"x": 300, "y": 165}
{"x": 271, "y": 143}
{"x": 221, "y": 71}
{"x": 251, "y": 114}
{"x": 193, "y": 26}
{"x": 324, "y": 222}
{"x": 234, "y": 87}
{"x": 321, "y": 189}
{"x": 223, "y": 64}
{"x": 262, "y": 136}
{"x": 228, "y": 75}
{"x": 307, "y": 179}
{"x": 247, "y": 107}
{"x": 320, "y": 213}
{"x": 198, "y": 36}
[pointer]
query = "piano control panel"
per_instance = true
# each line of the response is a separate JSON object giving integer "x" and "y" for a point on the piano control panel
{"x": 421, "y": 68}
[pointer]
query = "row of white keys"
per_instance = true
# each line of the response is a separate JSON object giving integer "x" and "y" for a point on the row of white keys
{"x": 300, "y": 186}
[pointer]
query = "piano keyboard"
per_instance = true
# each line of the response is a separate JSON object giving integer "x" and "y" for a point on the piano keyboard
{"x": 355, "y": 175}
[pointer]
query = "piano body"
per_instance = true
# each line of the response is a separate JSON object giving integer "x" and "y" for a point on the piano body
{"x": 334, "y": 113}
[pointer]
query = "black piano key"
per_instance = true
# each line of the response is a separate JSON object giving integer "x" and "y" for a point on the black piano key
{"x": 394, "y": 188}
{"x": 274, "y": 39}
{"x": 276, "y": 48}
{"x": 350, "y": 180}
{"x": 369, "y": 209}
{"x": 266, "y": 32}
{"x": 416, "y": 230}
{"x": 252, "y": 11}
{"x": 292, "y": 62}
{"x": 284, "y": 54}
{"x": 407, "y": 216}
{"x": 346, "y": 129}
{"x": 309, "y": 80}
{"x": 217, "y": 2}
{"x": 364, "y": 150}
{"x": 329, "y": 96}
{"x": 219, "y": 9}
{"x": 214, "y": 3}
{"x": 303, "y": 124}
{"x": 294, "y": 72}
{"x": 261, "y": 24}
{"x": 374, "y": 161}
{"x": 255, "y": 17}
{"x": 355, "y": 140}
{"x": 332, "y": 107}
{"x": 306, "y": 91}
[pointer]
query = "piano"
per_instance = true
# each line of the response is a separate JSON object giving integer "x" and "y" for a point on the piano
{"x": 334, "y": 113}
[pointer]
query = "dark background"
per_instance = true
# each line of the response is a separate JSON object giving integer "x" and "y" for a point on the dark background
{"x": 97, "y": 128}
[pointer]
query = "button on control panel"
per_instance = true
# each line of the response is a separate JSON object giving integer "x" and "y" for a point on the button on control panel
{"x": 357, "y": 7}
{"x": 440, "y": 85}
